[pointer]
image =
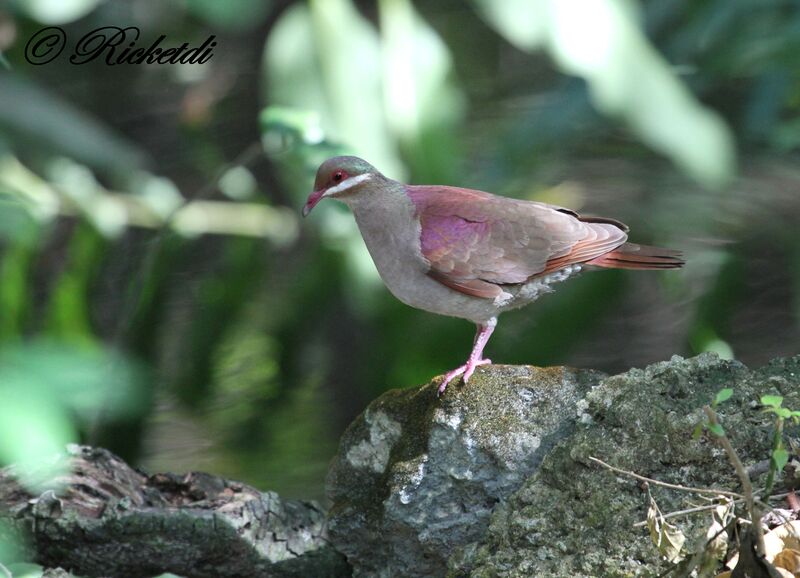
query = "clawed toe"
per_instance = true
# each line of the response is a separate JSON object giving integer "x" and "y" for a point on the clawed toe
{"x": 475, "y": 358}
{"x": 471, "y": 368}
{"x": 450, "y": 376}
{"x": 467, "y": 370}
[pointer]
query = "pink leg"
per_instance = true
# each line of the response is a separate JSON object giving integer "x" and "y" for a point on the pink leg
{"x": 482, "y": 336}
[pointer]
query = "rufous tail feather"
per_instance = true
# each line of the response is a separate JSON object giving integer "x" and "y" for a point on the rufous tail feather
{"x": 633, "y": 256}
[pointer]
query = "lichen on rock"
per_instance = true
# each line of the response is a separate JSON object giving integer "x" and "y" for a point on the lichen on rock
{"x": 373, "y": 452}
{"x": 457, "y": 458}
{"x": 495, "y": 479}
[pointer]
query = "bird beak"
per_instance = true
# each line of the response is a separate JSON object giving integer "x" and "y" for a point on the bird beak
{"x": 312, "y": 201}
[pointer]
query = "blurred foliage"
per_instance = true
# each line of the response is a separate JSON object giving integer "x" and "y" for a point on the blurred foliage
{"x": 626, "y": 77}
{"x": 160, "y": 296}
{"x": 49, "y": 388}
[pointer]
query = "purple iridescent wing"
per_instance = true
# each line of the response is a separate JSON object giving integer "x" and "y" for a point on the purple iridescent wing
{"x": 476, "y": 242}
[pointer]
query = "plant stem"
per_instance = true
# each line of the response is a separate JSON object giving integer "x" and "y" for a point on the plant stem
{"x": 776, "y": 444}
{"x": 713, "y": 491}
{"x": 744, "y": 479}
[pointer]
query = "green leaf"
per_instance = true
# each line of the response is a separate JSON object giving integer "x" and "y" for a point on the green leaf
{"x": 782, "y": 412}
{"x": 287, "y": 121}
{"x": 419, "y": 95}
{"x": 526, "y": 33}
{"x": 15, "y": 290}
{"x": 704, "y": 339}
{"x": 772, "y": 400}
{"x": 56, "y": 11}
{"x": 40, "y": 121}
{"x": 723, "y": 395}
{"x": 233, "y": 15}
{"x": 779, "y": 457}
{"x": 12, "y": 543}
{"x": 17, "y": 224}
{"x": 313, "y": 64}
{"x": 69, "y": 316}
{"x": 29, "y": 570}
{"x": 716, "y": 429}
{"x": 697, "y": 431}
{"x": 84, "y": 380}
{"x": 39, "y": 426}
{"x": 44, "y": 386}
{"x": 603, "y": 43}
{"x": 717, "y": 306}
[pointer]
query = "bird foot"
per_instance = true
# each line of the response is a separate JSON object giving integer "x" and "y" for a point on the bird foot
{"x": 467, "y": 369}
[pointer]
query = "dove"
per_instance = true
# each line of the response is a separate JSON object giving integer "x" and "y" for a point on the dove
{"x": 471, "y": 254}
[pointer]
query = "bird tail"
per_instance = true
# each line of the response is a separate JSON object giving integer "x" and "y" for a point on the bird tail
{"x": 633, "y": 256}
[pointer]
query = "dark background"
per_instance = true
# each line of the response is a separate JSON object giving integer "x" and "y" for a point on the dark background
{"x": 159, "y": 294}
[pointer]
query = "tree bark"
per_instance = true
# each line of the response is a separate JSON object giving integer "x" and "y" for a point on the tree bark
{"x": 107, "y": 519}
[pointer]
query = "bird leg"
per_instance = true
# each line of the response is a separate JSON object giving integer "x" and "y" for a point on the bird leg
{"x": 482, "y": 336}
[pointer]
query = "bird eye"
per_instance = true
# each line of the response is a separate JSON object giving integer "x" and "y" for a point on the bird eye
{"x": 337, "y": 176}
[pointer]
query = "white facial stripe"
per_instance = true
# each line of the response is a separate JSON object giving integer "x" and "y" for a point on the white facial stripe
{"x": 347, "y": 183}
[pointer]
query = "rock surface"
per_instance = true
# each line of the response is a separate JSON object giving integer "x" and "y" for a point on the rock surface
{"x": 495, "y": 478}
{"x": 111, "y": 520}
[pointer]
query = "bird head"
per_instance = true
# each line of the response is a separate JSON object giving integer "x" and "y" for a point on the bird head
{"x": 340, "y": 176}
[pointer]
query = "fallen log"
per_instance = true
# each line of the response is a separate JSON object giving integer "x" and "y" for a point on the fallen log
{"x": 108, "y": 519}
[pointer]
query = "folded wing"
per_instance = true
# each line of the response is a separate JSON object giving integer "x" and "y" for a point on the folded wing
{"x": 476, "y": 242}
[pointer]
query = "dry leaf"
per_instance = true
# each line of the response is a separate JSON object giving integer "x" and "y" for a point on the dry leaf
{"x": 716, "y": 547}
{"x": 793, "y": 501}
{"x": 668, "y": 538}
{"x": 789, "y": 559}
{"x": 718, "y": 539}
{"x": 790, "y": 534}
{"x": 784, "y": 536}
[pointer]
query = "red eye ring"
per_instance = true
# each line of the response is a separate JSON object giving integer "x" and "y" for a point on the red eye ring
{"x": 338, "y": 176}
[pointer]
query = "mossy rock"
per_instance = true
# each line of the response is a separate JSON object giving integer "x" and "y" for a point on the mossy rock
{"x": 494, "y": 479}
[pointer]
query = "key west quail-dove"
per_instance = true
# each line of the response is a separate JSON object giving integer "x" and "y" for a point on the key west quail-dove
{"x": 471, "y": 254}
